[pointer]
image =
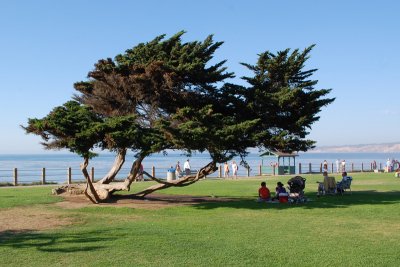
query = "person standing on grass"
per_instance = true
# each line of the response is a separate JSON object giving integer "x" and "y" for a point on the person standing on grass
{"x": 235, "y": 169}
{"x": 388, "y": 165}
{"x": 374, "y": 165}
{"x": 226, "y": 170}
{"x": 186, "y": 167}
{"x": 337, "y": 166}
{"x": 343, "y": 165}
{"x": 264, "y": 193}
{"x": 178, "y": 170}
{"x": 325, "y": 165}
{"x": 141, "y": 169}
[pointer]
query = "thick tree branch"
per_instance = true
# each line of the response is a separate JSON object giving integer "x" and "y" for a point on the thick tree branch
{"x": 118, "y": 163}
{"x": 185, "y": 181}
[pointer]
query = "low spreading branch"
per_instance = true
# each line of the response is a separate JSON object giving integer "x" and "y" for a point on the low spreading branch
{"x": 185, "y": 181}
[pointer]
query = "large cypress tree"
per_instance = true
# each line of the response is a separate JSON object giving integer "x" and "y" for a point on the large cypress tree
{"x": 165, "y": 94}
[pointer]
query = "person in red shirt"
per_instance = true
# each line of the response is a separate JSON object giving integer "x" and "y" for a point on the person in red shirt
{"x": 263, "y": 193}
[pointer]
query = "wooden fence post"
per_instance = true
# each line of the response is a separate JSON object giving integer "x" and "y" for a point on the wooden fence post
{"x": 69, "y": 177}
{"x": 153, "y": 171}
{"x": 320, "y": 168}
{"x": 248, "y": 171}
{"x": 309, "y": 168}
{"x": 362, "y": 167}
{"x": 274, "y": 170}
{"x": 220, "y": 170}
{"x": 43, "y": 175}
{"x": 259, "y": 170}
{"x": 15, "y": 176}
{"x": 332, "y": 168}
{"x": 299, "y": 168}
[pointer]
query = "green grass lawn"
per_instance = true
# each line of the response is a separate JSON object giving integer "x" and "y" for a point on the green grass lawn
{"x": 358, "y": 229}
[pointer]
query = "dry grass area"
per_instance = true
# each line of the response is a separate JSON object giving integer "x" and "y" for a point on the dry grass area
{"x": 31, "y": 219}
{"x": 38, "y": 218}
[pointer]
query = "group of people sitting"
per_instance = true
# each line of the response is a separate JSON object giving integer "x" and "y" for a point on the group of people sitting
{"x": 264, "y": 193}
{"x": 329, "y": 185}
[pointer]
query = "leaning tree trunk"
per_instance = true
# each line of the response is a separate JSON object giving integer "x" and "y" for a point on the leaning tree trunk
{"x": 118, "y": 163}
{"x": 98, "y": 192}
{"x": 92, "y": 194}
{"x": 101, "y": 190}
{"x": 185, "y": 181}
{"x": 134, "y": 172}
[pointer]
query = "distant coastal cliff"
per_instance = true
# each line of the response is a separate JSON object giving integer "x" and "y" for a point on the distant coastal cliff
{"x": 370, "y": 148}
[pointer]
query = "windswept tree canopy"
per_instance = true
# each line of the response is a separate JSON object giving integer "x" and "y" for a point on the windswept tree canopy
{"x": 283, "y": 97}
{"x": 172, "y": 89}
{"x": 71, "y": 126}
{"x": 166, "y": 94}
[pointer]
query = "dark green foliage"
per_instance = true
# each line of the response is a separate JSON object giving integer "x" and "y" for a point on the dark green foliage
{"x": 284, "y": 98}
{"x": 70, "y": 126}
{"x": 204, "y": 129}
{"x": 154, "y": 81}
{"x": 165, "y": 94}
{"x": 153, "y": 78}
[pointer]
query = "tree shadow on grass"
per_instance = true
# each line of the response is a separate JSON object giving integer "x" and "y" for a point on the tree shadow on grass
{"x": 368, "y": 197}
{"x": 53, "y": 242}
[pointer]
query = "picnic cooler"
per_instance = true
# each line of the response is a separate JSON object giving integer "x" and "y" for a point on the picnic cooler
{"x": 283, "y": 197}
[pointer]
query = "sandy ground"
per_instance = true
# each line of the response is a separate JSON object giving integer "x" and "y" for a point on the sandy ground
{"x": 38, "y": 218}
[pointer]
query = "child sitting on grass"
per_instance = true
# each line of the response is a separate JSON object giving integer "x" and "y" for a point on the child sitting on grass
{"x": 279, "y": 190}
{"x": 263, "y": 193}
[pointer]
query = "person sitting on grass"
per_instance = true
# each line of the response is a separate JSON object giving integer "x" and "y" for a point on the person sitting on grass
{"x": 279, "y": 190}
{"x": 263, "y": 193}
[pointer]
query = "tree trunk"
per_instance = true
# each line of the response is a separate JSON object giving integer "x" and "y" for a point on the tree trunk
{"x": 92, "y": 194}
{"x": 133, "y": 173}
{"x": 101, "y": 190}
{"x": 185, "y": 181}
{"x": 118, "y": 163}
{"x": 98, "y": 192}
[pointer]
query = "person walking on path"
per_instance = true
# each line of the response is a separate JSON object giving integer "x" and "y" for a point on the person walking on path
{"x": 226, "y": 170}
{"x": 186, "y": 167}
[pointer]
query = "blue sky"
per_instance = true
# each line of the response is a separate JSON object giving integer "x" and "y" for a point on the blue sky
{"x": 46, "y": 46}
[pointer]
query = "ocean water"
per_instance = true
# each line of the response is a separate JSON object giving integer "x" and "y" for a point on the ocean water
{"x": 30, "y": 166}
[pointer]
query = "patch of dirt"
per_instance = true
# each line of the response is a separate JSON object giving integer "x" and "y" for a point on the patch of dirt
{"x": 153, "y": 201}
{"x": 23, "y": 219}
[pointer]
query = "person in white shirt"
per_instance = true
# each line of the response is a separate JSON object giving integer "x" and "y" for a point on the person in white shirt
{"x": 186, "y": 167}
{"x": 388, "y": 166}
{"x": 234, "y": 169}
{"x": 337, "y": 166}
